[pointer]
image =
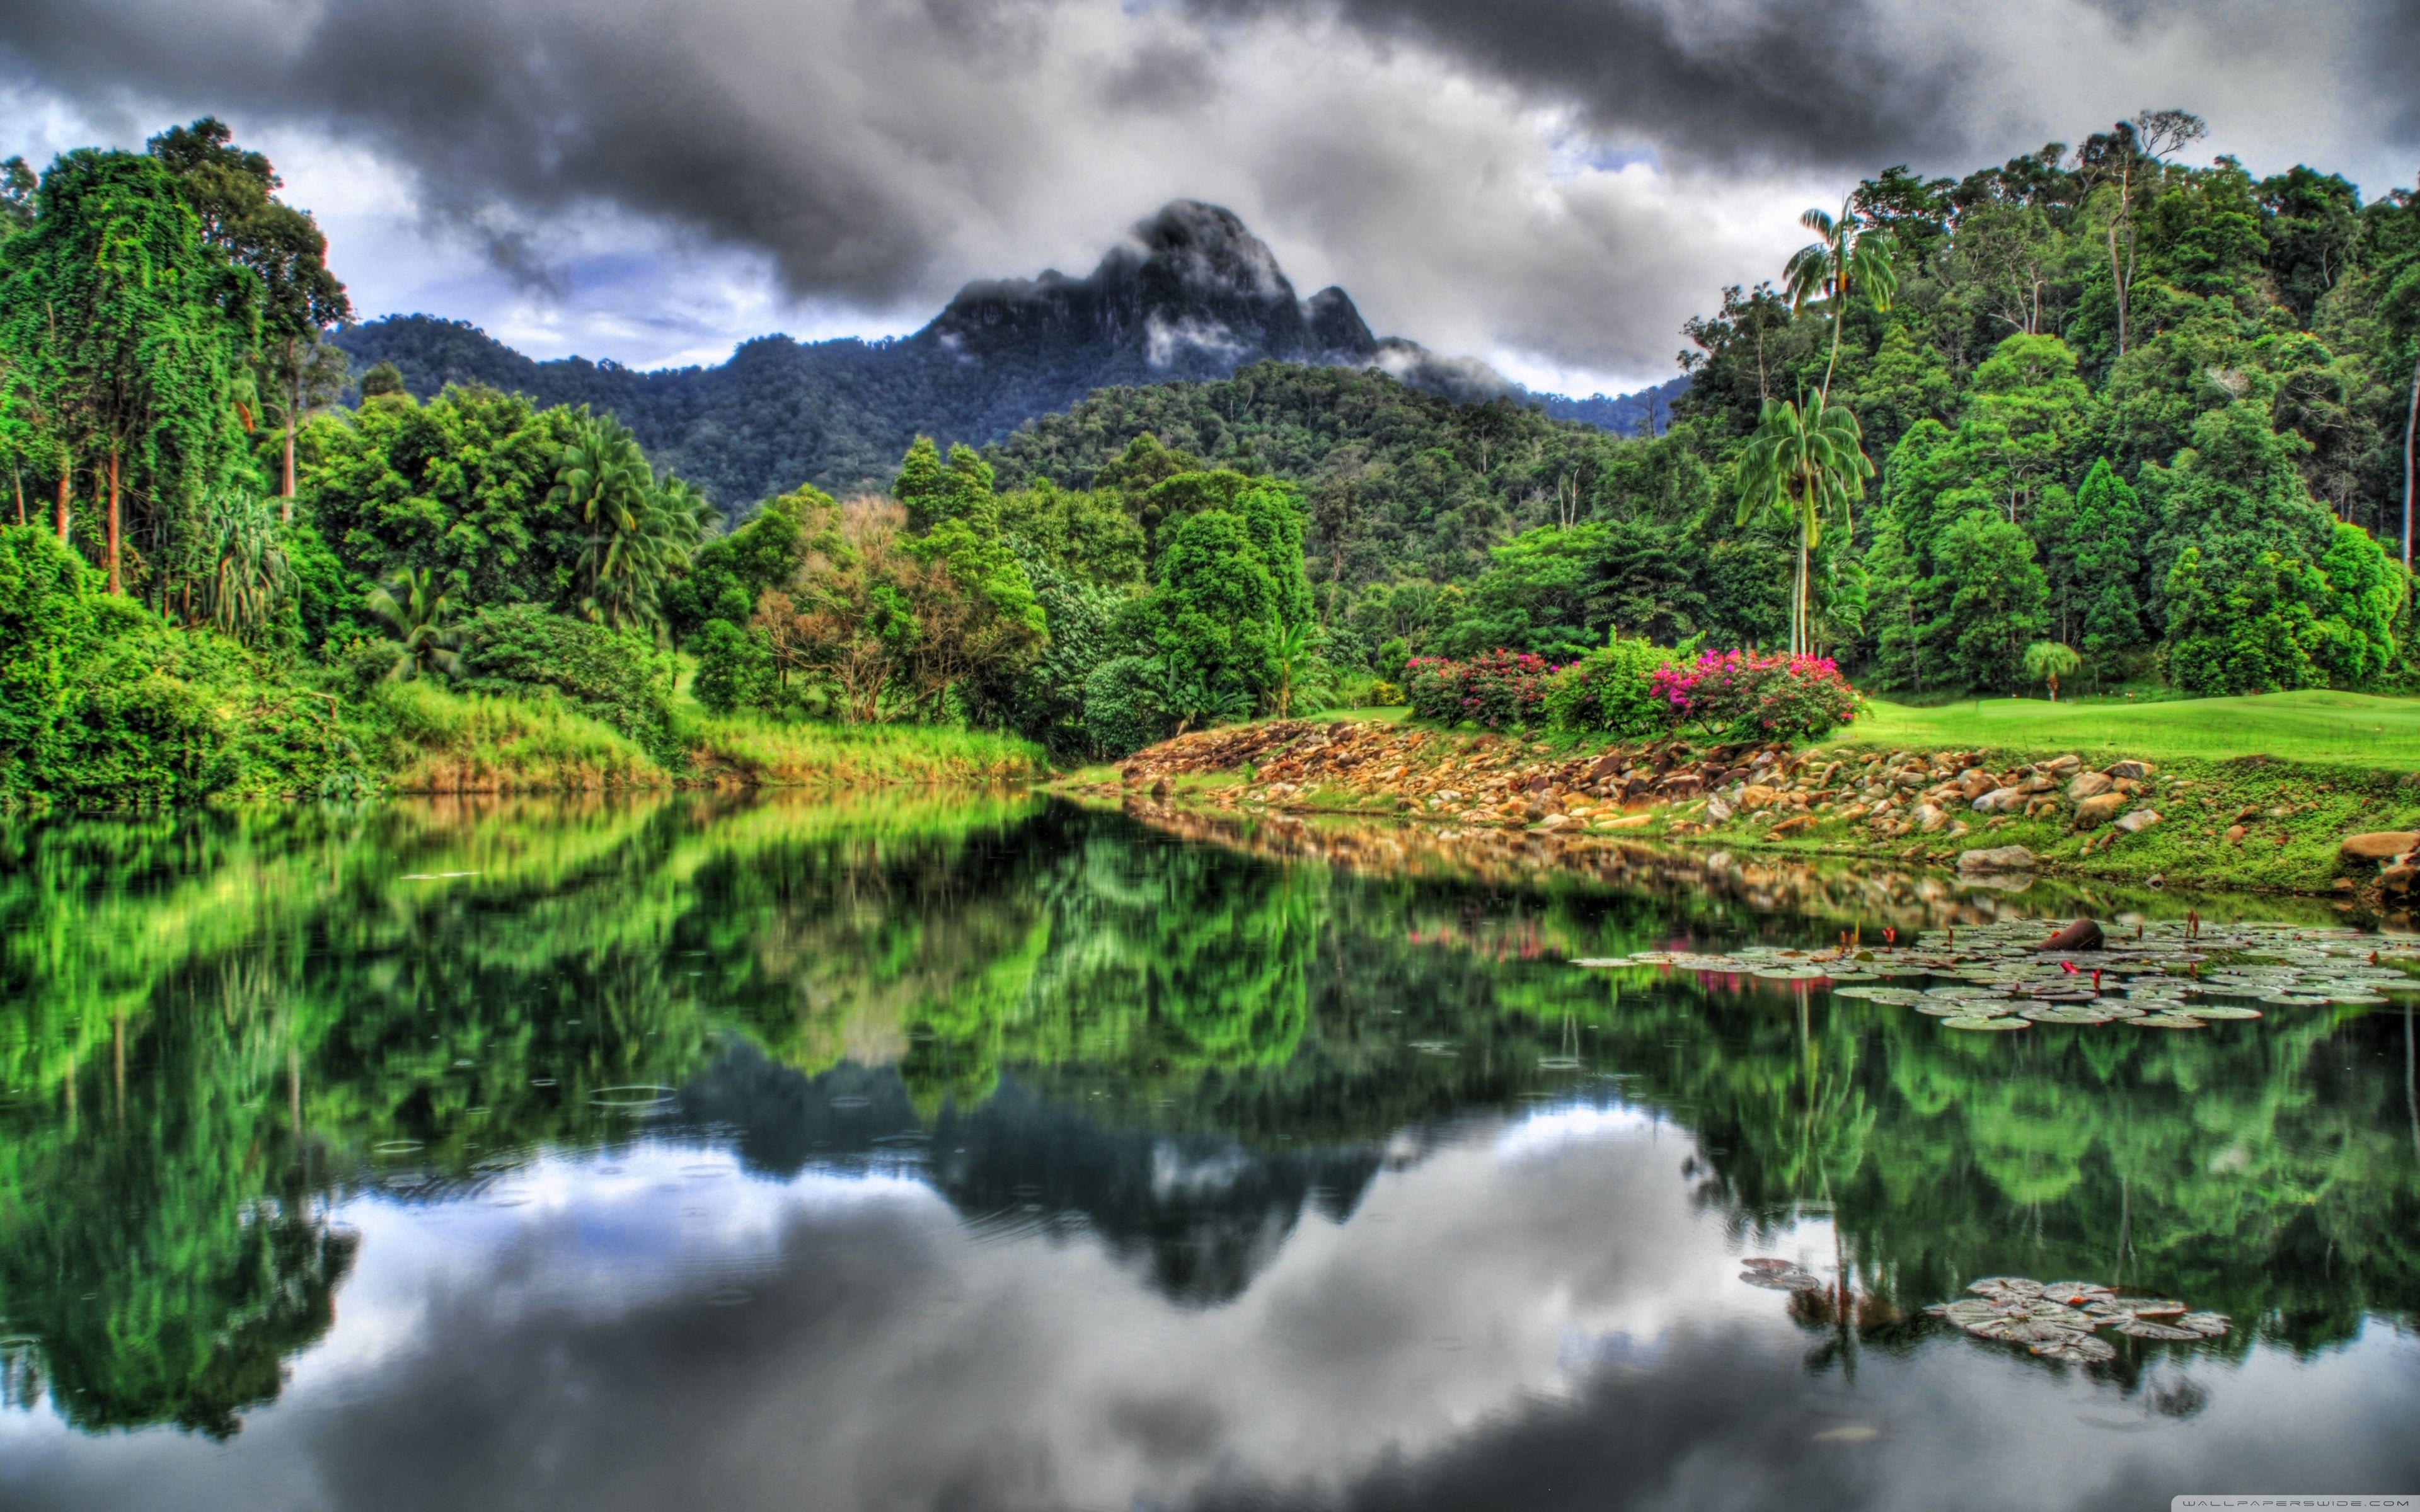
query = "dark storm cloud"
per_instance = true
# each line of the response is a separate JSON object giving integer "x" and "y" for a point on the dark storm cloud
{"x": 535, "y": 108}
{"x": 1474, "y": 172}
{"x": 1848, "y": 84}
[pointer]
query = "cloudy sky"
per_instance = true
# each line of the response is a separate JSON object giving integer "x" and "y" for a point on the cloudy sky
{"x": 1551, "y": 184}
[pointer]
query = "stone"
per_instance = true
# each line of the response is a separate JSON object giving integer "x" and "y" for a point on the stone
{"x": 1974, "y": 783}
{"x": 2235, "y": 834}
{"x": 1792, "y": 827}
{"x": 2136, "y": 770}
{"x": 2000, "y": 799}
{"x": 2089, "y": 785}
{"x": 1998, "y": 859}
{"x": 2093, "y": 813}
{"x": 1926, "y": 818}
{"x": 1756, "y": 795}
{"x": 1718, "y": 810}
{"x": 2397, "y": 878}
{"x": 1553, "y": 822}
{"x": 2139, "y": 821}
{"x": 2378, "y": 845}
{"x": 1628, "y": 821}
{"x": 2083, "y": 935}
{"x": 2065, "y": 766}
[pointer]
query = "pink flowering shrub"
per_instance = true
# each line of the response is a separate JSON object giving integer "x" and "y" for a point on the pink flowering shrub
{"x": 1747, "y": 695}
{"x": 1499, "y": 690}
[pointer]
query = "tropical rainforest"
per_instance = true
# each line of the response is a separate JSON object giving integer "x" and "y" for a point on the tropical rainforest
{"x": 2094, "y": 414}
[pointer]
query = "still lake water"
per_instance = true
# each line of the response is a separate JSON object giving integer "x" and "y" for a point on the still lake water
{"x": 994, "y": 1154}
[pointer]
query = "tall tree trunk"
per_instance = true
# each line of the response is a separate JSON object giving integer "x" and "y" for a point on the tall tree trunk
{"x": 116, "y": 586}
{"x": 285, "y": 505}
{"x": 67, "y": 471}
{"x": 2411, "y": 425}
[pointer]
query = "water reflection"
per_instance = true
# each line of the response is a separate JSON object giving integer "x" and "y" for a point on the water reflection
{"x": 1009, "y": 1155}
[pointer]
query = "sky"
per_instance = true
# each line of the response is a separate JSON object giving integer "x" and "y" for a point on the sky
{"x": 1551, "y": 185}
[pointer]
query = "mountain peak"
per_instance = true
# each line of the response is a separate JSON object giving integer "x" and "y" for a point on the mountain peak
{"x": 1191, "y": 293}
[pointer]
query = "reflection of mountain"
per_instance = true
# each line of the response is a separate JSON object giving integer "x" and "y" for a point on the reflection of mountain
{"x": 1205, "y": 1214}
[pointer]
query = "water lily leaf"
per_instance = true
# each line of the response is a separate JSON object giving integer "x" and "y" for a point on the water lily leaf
{"x": 2006, "y": 1286}
{"x": 2219, "y": 1010}
{"x": 1976, "y": 1022}
{"x": 2165, "y": 1020}
{"x": 2209, "y": 1325}
{"x": 2144, "y": 1327}
{"x": 2076, "y": 1348}
{"x": 1767, "y": 1262}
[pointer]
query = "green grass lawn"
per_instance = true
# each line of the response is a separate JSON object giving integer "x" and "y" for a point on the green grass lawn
{"x": 2352, "y": 730}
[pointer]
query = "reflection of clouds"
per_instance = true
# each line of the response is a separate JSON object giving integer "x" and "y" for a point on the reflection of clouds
{"x": 1538, "y": 1314}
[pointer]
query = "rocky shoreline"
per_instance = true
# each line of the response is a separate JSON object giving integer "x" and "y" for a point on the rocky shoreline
{"x": 2254, "y": 824}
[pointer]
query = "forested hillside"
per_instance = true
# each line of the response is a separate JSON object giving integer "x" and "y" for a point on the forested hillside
{"x": 1195, "y": 296}
{"x": 2097, "y": 412}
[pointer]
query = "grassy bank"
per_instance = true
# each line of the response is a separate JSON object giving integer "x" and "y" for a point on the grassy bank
{"x": 422, "y": 738}
{"x": 2322, "y": 728}
{"x": 727, "y": 749}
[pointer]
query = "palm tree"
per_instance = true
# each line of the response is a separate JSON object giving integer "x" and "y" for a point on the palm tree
{"x": 641, "y": 531}
{"x": 417, "y": 610}
{"x": 248, "y": 574}
{"x": 1808, "y": 461}
{"x": 2048, "y": 661}
{"x": 604, "y": 479}
{"x": 1849, "y": 262}
{"x": 1289, "y": 648}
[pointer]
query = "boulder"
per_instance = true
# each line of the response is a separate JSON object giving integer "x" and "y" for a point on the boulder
{"x": 2083, "y": 935}
{"x": 2000, "y": 799}
{"x": 2396, "y": 879}
{"x": 2096, "y": 812}
{"x": 2378, "y": 845}
{"x": 2089, "y": 785}
{"x": 1792, "y": 827}
{"x": 1975, "y": 783}
{"x": 1998, "y": 859}
{"x": 1926, "y": 818}
{"x": 1756, "y": 795}
{"x": 2139, "y": 821}
{"x": 2065, "y": 766}
{"x": 2136, "y": 770}
{"x": 1718, "y": 810}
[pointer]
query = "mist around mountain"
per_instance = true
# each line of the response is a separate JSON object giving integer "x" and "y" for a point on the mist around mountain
{"x": 1193, "y": 296}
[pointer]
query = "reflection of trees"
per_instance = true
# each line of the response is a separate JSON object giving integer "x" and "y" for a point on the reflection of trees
{"x": 1184, "y": 1045}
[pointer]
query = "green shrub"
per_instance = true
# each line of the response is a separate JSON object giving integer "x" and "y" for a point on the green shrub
{"x": 617, "y": 677}
{"x": 1610, "y": 692}
{"x": 735, "y": 668}
{"x": 1123, "y": 710}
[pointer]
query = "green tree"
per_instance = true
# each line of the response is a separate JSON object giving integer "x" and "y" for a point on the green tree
{"x": 131, "y": 334}
{"x": 1998, "y": 594}
{"x": 234, "y": 192}
{"x": 1849, "y": 263}
{"x": 2047, "y": 661}
{"x": 1808, "y": 463}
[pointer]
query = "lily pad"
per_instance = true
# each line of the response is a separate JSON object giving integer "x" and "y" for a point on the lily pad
{"x": 2165, "y": 1020}
{"x": 2145, "y": 1328}
{"x": 1976, "y": 1022}
{"x": 2076, "y": 1348}
{"x": 2219, "y": 1010}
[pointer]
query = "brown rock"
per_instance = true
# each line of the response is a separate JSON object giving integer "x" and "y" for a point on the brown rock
{"x": 1756, "y": 795}
{"x": 2235, "y": 834}
{"x": 1792, "y": 827}
{"x": 2083, "y": 935}
{"x": 2140, "y": 820}
{"x": 2089, "y": 785}
{"x": 2397, "y": 879}
{"x": 2138, "y": 770}
{"x": 2378, "y": 845}
{"x": 2093, "y": 813}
